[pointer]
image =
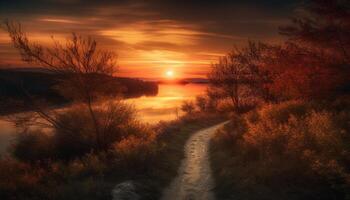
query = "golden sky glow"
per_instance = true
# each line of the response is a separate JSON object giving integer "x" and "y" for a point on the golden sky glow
{"x": 150, "y": 37}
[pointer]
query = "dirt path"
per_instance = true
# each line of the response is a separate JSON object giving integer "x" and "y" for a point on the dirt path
{"x": 194, "y": 180}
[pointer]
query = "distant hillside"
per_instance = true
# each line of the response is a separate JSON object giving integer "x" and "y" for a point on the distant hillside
{"x": 15, "y": 83}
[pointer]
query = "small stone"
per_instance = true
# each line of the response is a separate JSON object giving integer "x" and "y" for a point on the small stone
{"x": 125, "y": 191}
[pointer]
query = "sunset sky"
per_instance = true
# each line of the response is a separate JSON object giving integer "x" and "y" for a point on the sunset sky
{"x": 150, "y": 37}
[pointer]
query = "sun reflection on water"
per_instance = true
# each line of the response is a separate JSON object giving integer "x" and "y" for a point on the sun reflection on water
{"x": 166, "y": 105}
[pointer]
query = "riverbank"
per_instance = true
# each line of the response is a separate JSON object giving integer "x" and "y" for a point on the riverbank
{"x": 20, "y": 88}
{"x": 151, "y": 163}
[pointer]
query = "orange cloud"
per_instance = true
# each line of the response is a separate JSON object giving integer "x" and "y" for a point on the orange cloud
{"x": 148, "y": 36}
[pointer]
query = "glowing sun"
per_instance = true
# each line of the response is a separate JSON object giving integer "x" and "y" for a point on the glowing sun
{"x": 169, "y": 74}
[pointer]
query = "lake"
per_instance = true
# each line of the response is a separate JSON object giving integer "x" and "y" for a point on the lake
{"x": 150, "y": 109}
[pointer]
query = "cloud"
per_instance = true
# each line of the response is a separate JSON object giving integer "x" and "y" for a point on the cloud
{"x": 153, "y": 32}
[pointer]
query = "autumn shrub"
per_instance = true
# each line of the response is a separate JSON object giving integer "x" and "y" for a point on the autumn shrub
{"x": 188, "y": 107}
{"x": 224, "y": 106}
{"x": 91, "y": 164}
{"x": 78, "y": 136}
{"x": 303, "y": 134}
{"x": 33, "y": 146}
{"x": 232, "y": 132}
{"x": 55, "y": 180}
{"x": 294, "y": 143}
{"x": 281, "y": 112}
{"x": 137, "y": 149}
{"x": 202, "y": 103}
{"x": 18, "y": 180}
{"x": 135, "y": 152}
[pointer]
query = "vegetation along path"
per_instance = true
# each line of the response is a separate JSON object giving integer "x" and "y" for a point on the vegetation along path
{"x": 194, "y": 180}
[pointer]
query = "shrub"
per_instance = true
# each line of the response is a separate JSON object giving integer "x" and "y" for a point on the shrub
{"x": 115, "y": 121}
{"x": 187, "y": 107}
{"x": 201, "y": 102}
{"x": 76, "y": 136}
{"x": 33, "y": 146}
{"x": 232, "y": 132}
{"x": 282, "y": 111}
{"x": 294, "y": 143}
{"x": 19, "y": 180}
{"x": 136, "y": 151}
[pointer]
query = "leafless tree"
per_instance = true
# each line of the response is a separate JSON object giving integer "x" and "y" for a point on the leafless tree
{"x": 84, "y": 69}
{"x": 242, "y": 75}
{"x": 230, "y": 76}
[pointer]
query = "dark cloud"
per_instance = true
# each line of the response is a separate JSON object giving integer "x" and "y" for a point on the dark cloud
{"x": 184, "y": 10}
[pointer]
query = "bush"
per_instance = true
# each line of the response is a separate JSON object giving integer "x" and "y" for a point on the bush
{"x": 33, "y": 146}
{"x": 136, "y": 153}
{"x": 201, "y": 102}
{"x": 232, "y": 132}
{"x": 79, "y": 137}
{"x": 292, "y": 143}
{"x": 282, "y": 111}
{"x": 19, "y": 180}
{"x": 76, "y": 135}
{"x": 187, "y": 107}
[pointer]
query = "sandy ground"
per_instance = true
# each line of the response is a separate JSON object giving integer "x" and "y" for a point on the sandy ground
{"x": 194, "y": 180}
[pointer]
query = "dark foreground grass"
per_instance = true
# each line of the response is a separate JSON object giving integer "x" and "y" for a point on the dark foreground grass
{"x": 232, "y": 179}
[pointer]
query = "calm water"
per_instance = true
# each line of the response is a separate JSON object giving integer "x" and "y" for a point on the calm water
{"x": 165, "y": 106}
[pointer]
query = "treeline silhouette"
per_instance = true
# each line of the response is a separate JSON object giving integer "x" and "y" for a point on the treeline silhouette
{"x": 19, "y": 86}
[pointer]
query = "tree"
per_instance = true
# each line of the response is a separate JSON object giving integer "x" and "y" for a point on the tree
{"x": 323, "y": 24}
{"x": 85, "y": 70}
{"x": 297, "y": 72}
{"x": 254, "y": 57}
{"x": 228, "y": 76}
{"x": 238, "y": 75}
{"x": 315, "y": 60}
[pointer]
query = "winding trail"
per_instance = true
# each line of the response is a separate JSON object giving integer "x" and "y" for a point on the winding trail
{"x": 194, "y": 180}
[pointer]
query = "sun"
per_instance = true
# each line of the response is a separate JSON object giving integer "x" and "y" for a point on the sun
{"x": 169, "y": 74}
